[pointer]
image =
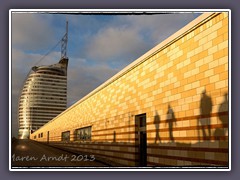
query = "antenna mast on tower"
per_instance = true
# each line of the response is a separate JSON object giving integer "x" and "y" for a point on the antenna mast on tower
{"x": 64, "y": 43}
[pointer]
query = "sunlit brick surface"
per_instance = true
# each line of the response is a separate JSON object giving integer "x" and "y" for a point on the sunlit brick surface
{"x": 173, "y": 75}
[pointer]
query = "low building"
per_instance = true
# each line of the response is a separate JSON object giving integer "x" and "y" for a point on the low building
{"x": 167, "y": 108}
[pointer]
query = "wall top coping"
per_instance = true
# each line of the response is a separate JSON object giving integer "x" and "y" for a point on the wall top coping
{"x": 167, "y": 42}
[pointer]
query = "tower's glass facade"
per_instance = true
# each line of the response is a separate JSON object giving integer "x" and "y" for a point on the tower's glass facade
{"x": 43, "y": 97}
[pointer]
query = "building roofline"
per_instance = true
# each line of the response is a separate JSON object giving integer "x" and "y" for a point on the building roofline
{"x": 168, "y": 41}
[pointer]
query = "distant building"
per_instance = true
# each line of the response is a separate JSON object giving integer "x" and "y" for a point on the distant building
{"x": 43, "y": 97}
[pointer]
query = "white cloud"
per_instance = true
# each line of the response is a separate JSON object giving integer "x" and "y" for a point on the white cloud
{"x": 113, "y": 42}
{"x": 84, "y": 78}
{"x": 31, "y": 31}
{"x": 158, "y": 26}
{"x": 132, "y": 35}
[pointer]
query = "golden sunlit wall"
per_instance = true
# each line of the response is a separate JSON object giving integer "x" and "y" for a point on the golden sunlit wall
{"x": 181, "y": 86}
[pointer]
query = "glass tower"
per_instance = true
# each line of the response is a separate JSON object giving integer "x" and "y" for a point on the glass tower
{"x": 43, "y": 97}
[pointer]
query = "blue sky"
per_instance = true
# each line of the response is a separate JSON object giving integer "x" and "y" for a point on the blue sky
{"x": 99, "y": 46}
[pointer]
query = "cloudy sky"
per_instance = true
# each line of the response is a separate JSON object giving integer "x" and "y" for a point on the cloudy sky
{"x": 99, "y": 46}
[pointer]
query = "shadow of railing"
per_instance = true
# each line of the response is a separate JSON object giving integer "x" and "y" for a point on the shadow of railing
{"x": 171, "y": 154}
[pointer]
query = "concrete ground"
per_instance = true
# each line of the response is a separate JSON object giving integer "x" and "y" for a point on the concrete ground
{"x": 27, "y": 153}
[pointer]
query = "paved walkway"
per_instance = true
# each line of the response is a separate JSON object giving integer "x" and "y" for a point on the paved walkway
{"x": 27, "y": 153}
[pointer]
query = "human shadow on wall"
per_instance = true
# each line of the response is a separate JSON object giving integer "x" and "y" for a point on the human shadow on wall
{"x": 114, "y": 136}
{"x": 223, "y": 117}
{"x": 171, "y": 120}
{"x": 157, "y": 126}
{"x": 204, "y": 121}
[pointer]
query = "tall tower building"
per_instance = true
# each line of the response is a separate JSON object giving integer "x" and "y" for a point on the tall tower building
{"x": 44, "y": 94}
{"x": 43, "y": 97}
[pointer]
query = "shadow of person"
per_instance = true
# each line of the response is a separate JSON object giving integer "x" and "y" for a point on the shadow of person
{"x": 114, "y": 136}
{"x": 223, "y": 108}
{"x": 205, "y": 116}
{"x": 157, "y": 126}
{"x": 218, "y": 133}
{"x": 170, "y": 120}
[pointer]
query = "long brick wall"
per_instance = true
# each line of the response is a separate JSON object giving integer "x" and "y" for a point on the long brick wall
{"x": 181, "y": 85}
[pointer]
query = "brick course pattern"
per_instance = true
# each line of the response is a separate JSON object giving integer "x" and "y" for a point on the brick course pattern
{"x": 182, "y": 87}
